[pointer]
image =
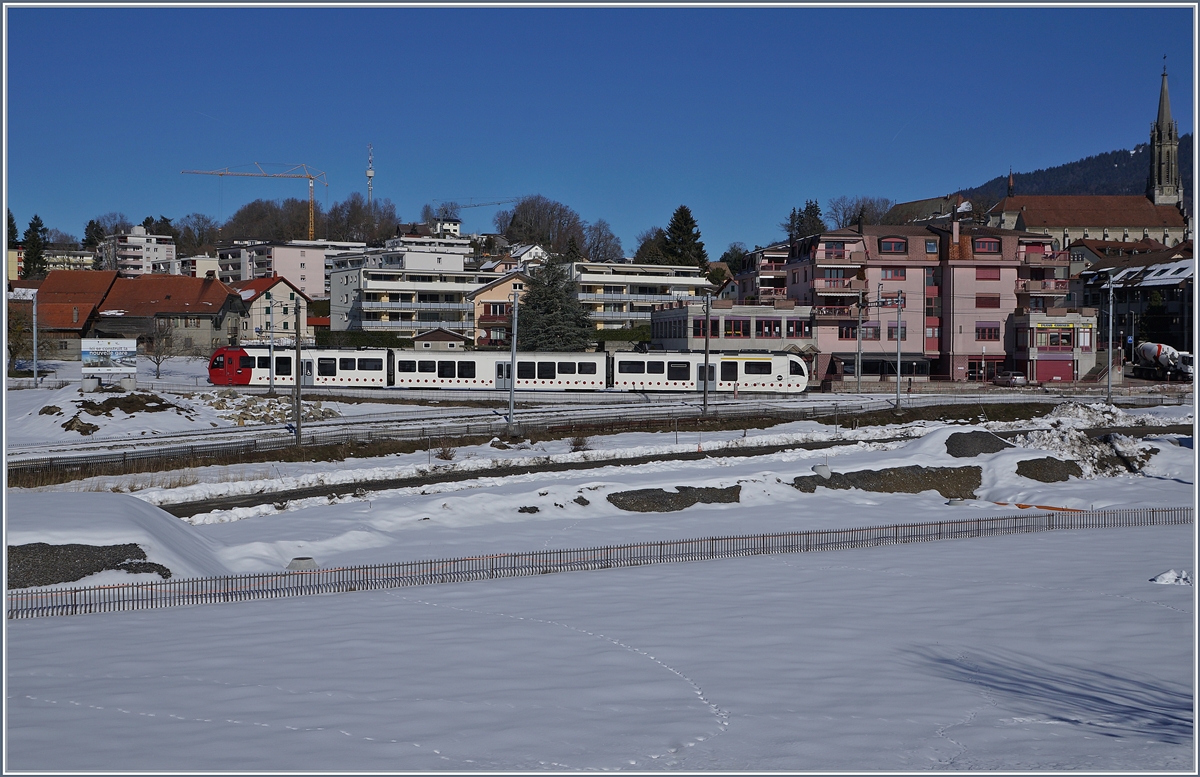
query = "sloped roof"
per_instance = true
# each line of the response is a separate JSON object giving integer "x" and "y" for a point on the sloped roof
{"x": 259, "y": 286}
{"x": 151, "y": 295}
{"x": 511, "y": 276}
{"x": 441, "y": 335}
{"x": 1041, "y": 211}
{"x": 64, "y": 316}
{"x": 1119, "y": 247}
{"x": 79, "y": 287}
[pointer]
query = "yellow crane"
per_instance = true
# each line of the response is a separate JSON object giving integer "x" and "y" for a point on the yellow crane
{"x": 296, "y": 171}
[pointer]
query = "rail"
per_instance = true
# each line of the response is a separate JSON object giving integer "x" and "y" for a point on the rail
{"x": 52, "y": 601}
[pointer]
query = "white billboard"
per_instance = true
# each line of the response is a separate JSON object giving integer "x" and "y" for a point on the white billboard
{"x": 109, "y": 357}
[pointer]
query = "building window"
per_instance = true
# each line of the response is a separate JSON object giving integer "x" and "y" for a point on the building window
{"x": 987, "y": 330}
{"x": 302, "y": 254}
{"x": 847, "y": 330}
{"x": 933, "y": 331}
{"x": 931, "y": 247}
{"x": 893, "y": 245}
{"x": 892, "y": 273}
{"x": 892, "y": 332}
{"x": 987, "y": 300}
{"x": 987, "y": 245}
{"x": 797, "y": 327}
{"x": 987, "y": 273}
{"x": 698, "y": 327}
{"x": 301, "y": 277}
{"x": 737, "y": 327}
{"x": 768, "y": 327}
{"x": 870, "y": 330}
{"x": 302, "y": 263}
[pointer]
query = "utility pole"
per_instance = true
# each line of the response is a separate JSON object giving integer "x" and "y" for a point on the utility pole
{"x": 299, "y": 373}
{"x": 370, "y": 174}
{"x": 35, "y": 339}
{"x": 707, "y": 339}
{"x": 1110, "y": 339}
{"x": 271, "y": 347}
{"x": 858, "y": 354}
{"x": 512, "y": 366}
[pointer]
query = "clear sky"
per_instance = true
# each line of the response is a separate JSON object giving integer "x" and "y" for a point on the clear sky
{"x": 623, "y": 114}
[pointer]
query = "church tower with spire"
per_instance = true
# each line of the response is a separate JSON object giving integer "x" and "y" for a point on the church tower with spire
{"x": 1163, "y": 186}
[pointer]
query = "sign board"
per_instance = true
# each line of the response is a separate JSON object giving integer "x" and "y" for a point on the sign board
{"x": 109, "y": 357}
{"x": 1129, "y": 339}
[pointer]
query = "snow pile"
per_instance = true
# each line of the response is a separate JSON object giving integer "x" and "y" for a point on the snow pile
{"x": 1171, "y": 577}
{"x": 1099, "y": 415}
{"x": 1114, "y": 455}
{"x": 244, "y": 409}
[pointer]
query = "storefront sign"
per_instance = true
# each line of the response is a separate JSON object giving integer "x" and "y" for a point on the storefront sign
{"x": 109, "y": 357}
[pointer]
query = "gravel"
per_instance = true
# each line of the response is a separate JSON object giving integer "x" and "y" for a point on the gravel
{"x": 656, "y": 500}
{"x": 39, "y": 563}
{"x": 950, "y": 482}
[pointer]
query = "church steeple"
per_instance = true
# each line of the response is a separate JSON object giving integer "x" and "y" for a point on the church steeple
{"x": 1162, "y": 185}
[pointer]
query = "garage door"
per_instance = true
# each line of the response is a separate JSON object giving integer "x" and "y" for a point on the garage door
{"x": 1048, "y": 371}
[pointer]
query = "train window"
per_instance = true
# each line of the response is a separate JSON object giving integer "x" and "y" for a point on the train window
{"x": 677, "y": 370}
{"x": 371, "y": 365}
{"x": 566, "y": 368}
{"x": 264, "y": 362}
{"x": 283, "y": 365}
{"x": 218, "y": 362}
{"x": 729, "y": 371}
{"x": 545, "y": 371}
{"x": 587, "y": 368}
{"x": 631, "y": 367}
{"x": 655, "y": 368}
{"x": 758, "y": 368}
{"x": 466, "y": 369}
{"x": 404, "y": 365}
{"x": 426, "y": 366}
{"x": 348, "y": 364}
{"x": 794, "y": 368}
{"x": 525, "y": 370}
{"x": 245, "y": 362}
{"x": 445, "y": 369}
{"x": 327, "y": 367}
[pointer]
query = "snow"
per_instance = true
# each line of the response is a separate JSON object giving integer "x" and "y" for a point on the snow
{"x": 1171, "y": 577}
{"x": 1041, "y": 651}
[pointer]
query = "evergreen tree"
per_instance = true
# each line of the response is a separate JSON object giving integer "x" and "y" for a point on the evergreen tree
{"x": 550, "y": 317}
{"x": 35, "y": 239}
{"x": 810, "y": 221}
{"x": 572, "y": 253}
{"x": 682, "y": 245}
{"x": 651, "y": 244}
{"x": 14, "y": 238}
{"x": 93, "y": 235}
{"x": 735, "y": 255}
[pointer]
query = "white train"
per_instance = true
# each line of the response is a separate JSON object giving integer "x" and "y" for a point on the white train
{"x": 395, "y": 368}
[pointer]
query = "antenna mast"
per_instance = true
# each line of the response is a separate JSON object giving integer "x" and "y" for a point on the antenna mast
{"x": 370, "y": 173}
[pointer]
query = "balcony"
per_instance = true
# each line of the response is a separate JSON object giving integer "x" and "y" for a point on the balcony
{"x": 839, "y": 285}
{"x": 1044, "y": 259}
{"x": 836, "y": 312}
{"x": 411, "y": 306}
{"x": 771, "y": 267}
{"x": 839, "y": 258}
{"x": 1054, "y": 288}
{"x": 417, "y": 325}
{"x": 771, "y": 292}
{"x": 616, "y": 315}
{"x": 630, "y": 297}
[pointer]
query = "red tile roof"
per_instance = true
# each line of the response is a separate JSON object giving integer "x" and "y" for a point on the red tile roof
{"x": 63, "y": 316}
{"x": 149, "y": 295}
{"x": 1090, "y": 210}
{"x": 318, "y": 321}
{"x": 81, "y": 287}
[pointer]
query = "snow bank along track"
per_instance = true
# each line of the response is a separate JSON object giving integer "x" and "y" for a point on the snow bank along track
{"x": 41, "y": 602}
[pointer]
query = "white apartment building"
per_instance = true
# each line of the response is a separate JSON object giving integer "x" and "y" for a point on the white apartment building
{"x": 300, "y": 261}
{"x": 63, "y": 259}
{"x": 618, "y": 295}
{"x": 135, "y": 252}
{"x": 191, "y": 266}
{"x": 415, "y": 283}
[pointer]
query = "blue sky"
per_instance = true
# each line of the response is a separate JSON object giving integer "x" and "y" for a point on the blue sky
{"x": 623, "y": 114}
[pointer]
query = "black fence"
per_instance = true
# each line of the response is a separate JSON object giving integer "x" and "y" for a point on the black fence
{"x": 42, "y": 602}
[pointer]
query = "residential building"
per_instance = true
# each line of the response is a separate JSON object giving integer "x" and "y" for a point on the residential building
{"x": 191, "y": 266}
{"x": 16, "y": 263}
{"x": 441, "y": 340}
{"x": 929, "y": 210}
{"x": 1056, "y": 344}
{"x": 134, "y": 253}
{"x": 493, "y": 309}
{"x": 763, "y": 277}
{"x": 270, "y": 311}
{"x": 780, "y": 325}
{"x": 199, "y": 313}
{"x": 528, "y": 255}
{"x": 300, "y": 261}
{"x": 68, "y": 301}
{"x": 1152, "y": 296}
{"x": 67, "y": 259}
{"x": 622, "y": 295}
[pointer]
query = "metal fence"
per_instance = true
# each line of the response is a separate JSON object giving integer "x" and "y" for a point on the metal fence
{"x": 42, "y": 602}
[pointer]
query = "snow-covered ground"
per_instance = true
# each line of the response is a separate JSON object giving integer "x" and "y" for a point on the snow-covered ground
{"x": 1041, "y": 652}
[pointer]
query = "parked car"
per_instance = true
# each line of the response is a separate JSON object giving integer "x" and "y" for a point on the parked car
{"x": 1010, "y": 379}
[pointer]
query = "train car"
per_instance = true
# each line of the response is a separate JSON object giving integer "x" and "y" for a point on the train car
{"x": 397, "y": 368}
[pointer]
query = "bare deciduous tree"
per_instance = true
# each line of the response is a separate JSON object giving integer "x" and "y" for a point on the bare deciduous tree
{"x": 541, "y": 221}
{"x": 844, "y": 211}
{"x": 600, "y": 244}
{"x": 161, "y": 345}
{"x": 20, "y": 336}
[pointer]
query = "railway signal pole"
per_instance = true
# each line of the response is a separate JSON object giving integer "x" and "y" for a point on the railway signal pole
{"x": 299, "y": 373}
{"x": 512, "y": 365}
{"x": 707, "y": 338}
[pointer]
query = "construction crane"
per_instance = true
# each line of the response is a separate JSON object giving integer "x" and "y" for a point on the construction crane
{"x": 291, "y": 172}
{"x": 370, "y": 174}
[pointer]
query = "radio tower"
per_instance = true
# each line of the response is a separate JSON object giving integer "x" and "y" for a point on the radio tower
{"x": 370, "y": 173}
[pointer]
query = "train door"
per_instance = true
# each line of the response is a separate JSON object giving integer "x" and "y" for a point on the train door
{"x": 503, "y": 375}
{"x": 712, "y": 377}
{"x": 391, "y": 368}
{"x": 306, "y": 373}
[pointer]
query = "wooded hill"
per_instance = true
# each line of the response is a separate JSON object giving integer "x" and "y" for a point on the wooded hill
{"x": 1115, "y": 172}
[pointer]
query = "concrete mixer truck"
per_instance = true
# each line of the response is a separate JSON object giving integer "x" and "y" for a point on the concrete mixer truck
{"x": 1155, "y": 361}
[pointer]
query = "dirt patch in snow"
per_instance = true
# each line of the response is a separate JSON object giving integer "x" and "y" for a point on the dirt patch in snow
{"x": 656, "y": 500}
{"x": 39, "y": 563}
{"x": 1105, "y": 456}
{"x": 967, "y": 445}
{"x": 1048, "y": 470}
{"x": 1017, "y": 411}
{"x": 128, "y": 404}
{"x": 50, "y": 410}
{"x": 950, "y": 482}
{"x": 74, "y": 424}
